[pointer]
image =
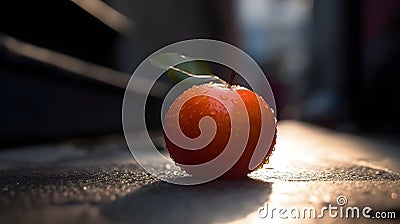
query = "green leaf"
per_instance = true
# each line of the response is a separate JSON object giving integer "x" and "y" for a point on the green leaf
{"x": 180, "y": 67}
{"x": 193, "y": 67}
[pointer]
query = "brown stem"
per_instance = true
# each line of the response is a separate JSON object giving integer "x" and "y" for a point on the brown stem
{"x": 233, "y": 74}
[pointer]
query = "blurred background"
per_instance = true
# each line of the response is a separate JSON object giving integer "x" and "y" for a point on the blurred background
{"x": 64, "y": 64}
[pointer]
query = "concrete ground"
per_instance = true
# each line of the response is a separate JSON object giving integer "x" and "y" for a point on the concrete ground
{"x": 98, "y": 181}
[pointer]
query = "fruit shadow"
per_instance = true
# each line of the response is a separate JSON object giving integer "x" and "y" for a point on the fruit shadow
{"x": 216, "y": 201}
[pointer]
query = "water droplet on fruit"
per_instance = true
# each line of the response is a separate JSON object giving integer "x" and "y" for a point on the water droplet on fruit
{"x": 224, "y": 97}
{"x": 213, "y": 112}
{"x": 234, "y": 101}
{"x": 196, "y": 103}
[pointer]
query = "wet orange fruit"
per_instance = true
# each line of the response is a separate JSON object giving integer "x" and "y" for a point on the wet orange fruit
{"x": 208, "y": 100}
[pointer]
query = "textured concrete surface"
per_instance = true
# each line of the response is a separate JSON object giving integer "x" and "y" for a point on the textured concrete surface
{"x": 98, "y": 181}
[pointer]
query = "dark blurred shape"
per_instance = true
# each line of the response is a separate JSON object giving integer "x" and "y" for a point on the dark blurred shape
{"x": 41, "y": 101}
{"x": 106, "y": 14}
{"x": 45, "y": 102}
{"x": 160, "y": 23}
{"x": 328, "y": 98}
{"x": 355, "y": 66}
{"x": 61, "y": 26}
{"x": 18, "y": 49}
{"x": 381, "y": 66}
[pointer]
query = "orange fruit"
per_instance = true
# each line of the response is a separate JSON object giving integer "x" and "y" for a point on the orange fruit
{"x": 207, "y": 100}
